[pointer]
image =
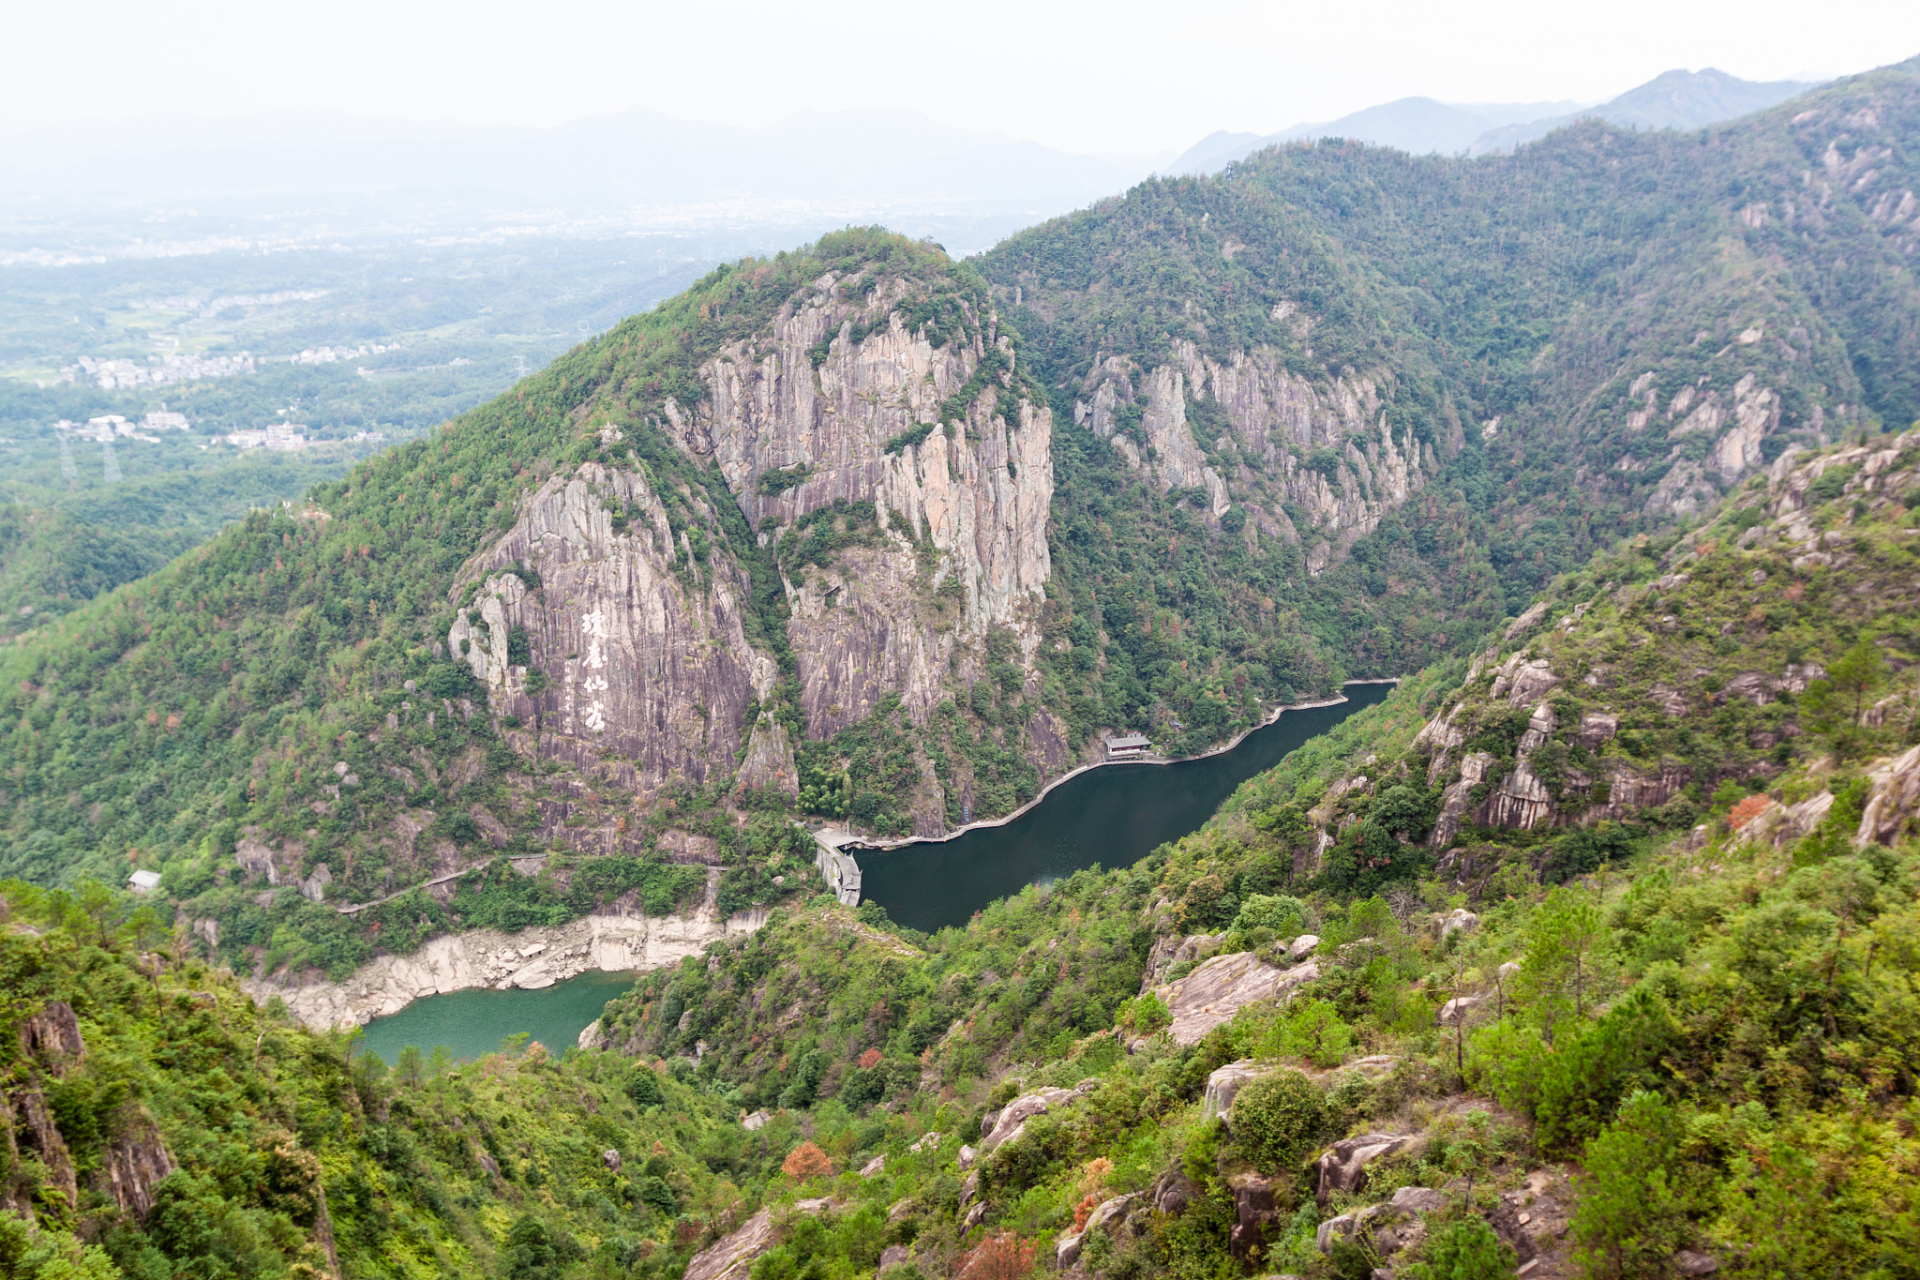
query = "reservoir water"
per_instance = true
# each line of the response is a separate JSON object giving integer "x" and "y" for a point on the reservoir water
{"x": 472, "y": 1023}
{"x": 1113, "y": 815}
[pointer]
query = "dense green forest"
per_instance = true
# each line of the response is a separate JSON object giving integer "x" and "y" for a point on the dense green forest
{"x": 1534, "y": 291}
{"x": 1702, "y": 1020}
{"x": 1687, "y": 1046}
{"x": 180, "y": 1130}
{"x": 209, "y": 704}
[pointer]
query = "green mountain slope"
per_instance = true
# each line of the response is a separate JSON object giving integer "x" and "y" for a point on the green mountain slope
{"x": 1696, "y": 1049}
{"x": 204, "y": 709}
{"x": 158, "y": 1124}
{"x": 595, "y": 618}
{"x": 1600, "y": 332}
{"x": 1704, "y": 992}
{"x": 864, "y": 535}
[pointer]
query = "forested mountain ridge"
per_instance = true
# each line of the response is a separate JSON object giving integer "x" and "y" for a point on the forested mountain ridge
{"x": 1600, "y": 332}
{"x": 1255, "y": 1049}
{"x": 310, "y": 690}
{"x": 787, "y": 539}
{"x": 158, "y": 1124}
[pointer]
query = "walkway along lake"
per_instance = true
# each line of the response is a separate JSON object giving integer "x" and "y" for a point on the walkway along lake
{"x": 1112, "y": 815}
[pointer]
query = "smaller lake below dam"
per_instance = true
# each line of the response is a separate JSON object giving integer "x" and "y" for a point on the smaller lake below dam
{"x": 1113, "y": 816}
{"x": 474, "y": 1022}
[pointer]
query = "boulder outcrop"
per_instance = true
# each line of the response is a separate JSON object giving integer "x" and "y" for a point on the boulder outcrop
{"x": 1258, "y": 1202}
{"x": 1010, "y": 1121}
{"x": 1224, "y": 1085}
{"x": 1221, "y": 987}
{"x": 1169, "y": 951}
{"x": 732, "y": 1256}
{"x": 136, "y": 1160}
{"x": 1343, "y": 1166}
{"x": 1893, "y": 799}
{"x": 52, "y": 1035}
{"x": 1106, "y": 1217}
{"x": 42, "y": 1136}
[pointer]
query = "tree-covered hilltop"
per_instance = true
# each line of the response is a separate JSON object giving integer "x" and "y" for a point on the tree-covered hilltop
{"x": 285, "y": 698}
{"x": 208, "y": 705}
{"x": 1553, "y": 322}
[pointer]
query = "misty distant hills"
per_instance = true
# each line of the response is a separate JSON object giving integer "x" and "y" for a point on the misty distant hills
{"x": 1423, "y": 126}
{"x": 854, "y": 160}
{"x": 1417, "y": 125}
{"x": 1671, "y": 100}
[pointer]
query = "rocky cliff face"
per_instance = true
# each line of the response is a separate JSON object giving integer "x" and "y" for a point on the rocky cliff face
{"x": 825, "y": 408}
{"x": 896, "y": 477}
{"x": 1601, "y": 715}
{"x": 1732, "y": 425}
{"x": 1280, "y": 441}
{"x": 1636, "y": 691}
{"x": 638, "y": 641}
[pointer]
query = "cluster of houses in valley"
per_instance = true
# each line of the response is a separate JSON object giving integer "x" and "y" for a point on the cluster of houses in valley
{"x": 162, "y": 369}
{"x": 112, "y": 426}
{"x": 279, "y": 436}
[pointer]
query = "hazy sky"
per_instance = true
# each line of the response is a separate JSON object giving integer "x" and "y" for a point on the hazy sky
{"x": 1122, "y": 76}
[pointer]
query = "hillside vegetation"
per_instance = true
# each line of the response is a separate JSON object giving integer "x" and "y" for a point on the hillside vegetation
{"x": 1551, "y": 322}
{"x": 159, "y": 1124}
{"x": 1692, "y": 1045}
{"x": 1676, "y": 1032}
{"x": 1590, "y": 950}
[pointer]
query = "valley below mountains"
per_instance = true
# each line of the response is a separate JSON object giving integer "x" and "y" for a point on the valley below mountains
{"x": 1587, "y": 951}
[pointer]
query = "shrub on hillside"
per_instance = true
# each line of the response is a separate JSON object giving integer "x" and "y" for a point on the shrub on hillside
{"x": 1277, "y": 1119}
{"x": 1632, "y": 1212}
{"x": 1463, "y": 1250}
{"x": 806, "y": 1162}
{"x": 644, "y": 1088}
{"x": 1286, "y": 916}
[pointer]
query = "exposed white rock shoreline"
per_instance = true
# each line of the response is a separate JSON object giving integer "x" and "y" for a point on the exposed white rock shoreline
{"x": 531, "y": 959}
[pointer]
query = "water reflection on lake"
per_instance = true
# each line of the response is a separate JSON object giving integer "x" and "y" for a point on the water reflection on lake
{"x": 472, "y": 1023}
{"x": 1114, "y": 816}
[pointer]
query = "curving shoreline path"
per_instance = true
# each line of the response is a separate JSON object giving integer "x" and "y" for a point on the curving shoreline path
{"x": 846, "y": 840}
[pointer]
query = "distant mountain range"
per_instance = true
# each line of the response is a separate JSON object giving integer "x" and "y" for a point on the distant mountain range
{"x": 880, "y": 164}
{"x": 1422, "y": 126}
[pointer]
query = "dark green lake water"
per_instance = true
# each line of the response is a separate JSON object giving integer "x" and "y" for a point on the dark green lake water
{"x": 472, "y": 1023}
{"x": 1111, "y": 816}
